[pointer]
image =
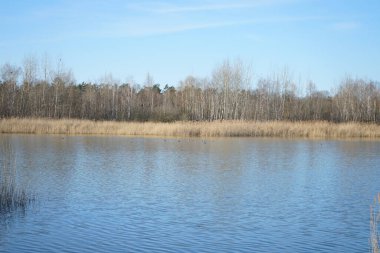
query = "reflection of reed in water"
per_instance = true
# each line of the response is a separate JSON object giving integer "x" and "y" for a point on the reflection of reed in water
{"x": 374, "y": 221}
{"x": 12, "y": 196}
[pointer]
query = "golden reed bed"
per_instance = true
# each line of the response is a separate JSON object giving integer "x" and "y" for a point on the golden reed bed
{"x": 285, "y": 129}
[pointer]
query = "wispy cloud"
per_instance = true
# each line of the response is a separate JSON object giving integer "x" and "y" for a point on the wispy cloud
{"x": 102, "y": 20}
{"x": 346, "y": 26}
{"x": 126, "y": 29}
{"x": 207, "y": 6}
{"x": 138, "y": 28}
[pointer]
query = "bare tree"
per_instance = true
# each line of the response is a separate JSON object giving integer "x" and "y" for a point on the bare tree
{"x": 228, "y": 95}
{"x": 9, "y": 75}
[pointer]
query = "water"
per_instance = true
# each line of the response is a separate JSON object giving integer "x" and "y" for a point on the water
{"x": 119, "y": 194}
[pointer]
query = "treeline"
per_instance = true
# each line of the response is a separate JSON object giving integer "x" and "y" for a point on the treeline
{"x": 229, "y": 94}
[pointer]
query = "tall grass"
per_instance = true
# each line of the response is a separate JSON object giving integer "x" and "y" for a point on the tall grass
{"x": 374, "y": 224}
{"x": 12, "y": 196}
{"x": 286, "y": 129}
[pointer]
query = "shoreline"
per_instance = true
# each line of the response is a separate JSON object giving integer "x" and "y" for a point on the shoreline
{"x": 279, "y": 129}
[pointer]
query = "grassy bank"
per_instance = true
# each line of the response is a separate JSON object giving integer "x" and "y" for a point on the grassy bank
{"x": 285, "y": 129}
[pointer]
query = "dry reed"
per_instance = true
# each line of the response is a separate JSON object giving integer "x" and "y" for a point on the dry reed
{"x": 285, "y": 129}
{"x": 374, "y": 223}
{"x": 12, "y": 196}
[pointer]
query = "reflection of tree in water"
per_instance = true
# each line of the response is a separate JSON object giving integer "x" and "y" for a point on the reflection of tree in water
{"x": 13, "y": 197}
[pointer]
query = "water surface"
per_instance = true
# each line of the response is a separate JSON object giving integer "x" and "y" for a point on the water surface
{"x": 120, "y": 194}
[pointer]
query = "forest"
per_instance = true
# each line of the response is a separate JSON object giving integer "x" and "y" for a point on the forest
{"x": 230, "y": 93}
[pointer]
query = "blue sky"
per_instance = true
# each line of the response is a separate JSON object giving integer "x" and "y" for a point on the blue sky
{"x": 319, "y": 40}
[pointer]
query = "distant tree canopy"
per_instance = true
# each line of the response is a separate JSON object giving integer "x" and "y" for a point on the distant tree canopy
{"x": 228, "y": 95}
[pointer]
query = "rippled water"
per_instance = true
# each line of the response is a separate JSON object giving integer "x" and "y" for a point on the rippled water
{"x": 119, "y": 194}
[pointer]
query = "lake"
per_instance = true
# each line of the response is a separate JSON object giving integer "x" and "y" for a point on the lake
{"x": 123, "y": 194}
